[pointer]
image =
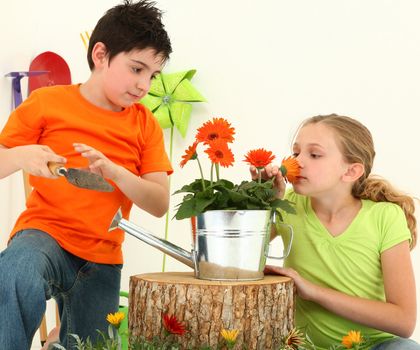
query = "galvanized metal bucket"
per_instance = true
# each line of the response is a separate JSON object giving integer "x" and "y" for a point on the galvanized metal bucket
{"x": 229, "y": 245}
{"x": 232, "y": 245}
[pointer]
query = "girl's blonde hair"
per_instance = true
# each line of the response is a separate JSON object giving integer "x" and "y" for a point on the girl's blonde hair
{"x": 356, "y": 144}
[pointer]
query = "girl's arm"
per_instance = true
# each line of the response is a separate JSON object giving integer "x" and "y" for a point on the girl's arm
{"x": 397, "y": 315}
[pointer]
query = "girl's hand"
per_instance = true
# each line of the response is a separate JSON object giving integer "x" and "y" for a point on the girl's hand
{"x": 34, "y": 159}
{"x": 304, "y": 288}
{"x": 269, "y": 172}
{"x": 98, "y": 163}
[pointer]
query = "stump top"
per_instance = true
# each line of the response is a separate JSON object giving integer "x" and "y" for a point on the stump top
{"x": 188, "y": 278}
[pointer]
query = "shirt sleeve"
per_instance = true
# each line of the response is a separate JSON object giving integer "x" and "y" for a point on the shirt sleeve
{"x": 394, "y": 226}
{"x": 24, "y": 125}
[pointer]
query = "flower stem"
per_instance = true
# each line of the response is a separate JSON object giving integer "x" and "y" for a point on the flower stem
{"x": 201, "y": 173}
{"x": 217, "y": 172}
{"x": 259, "y": 175}
{"x": 211, "y": 173}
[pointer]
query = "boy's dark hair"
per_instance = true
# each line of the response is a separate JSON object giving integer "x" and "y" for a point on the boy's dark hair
{"x": 131, "y": 26}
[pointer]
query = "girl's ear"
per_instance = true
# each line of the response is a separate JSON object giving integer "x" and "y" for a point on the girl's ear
{"x": 99, "y": 54}
{"x": 354, "y": 172}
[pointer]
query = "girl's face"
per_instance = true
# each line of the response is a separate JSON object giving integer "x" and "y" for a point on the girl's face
{"x": 322, "y": 163}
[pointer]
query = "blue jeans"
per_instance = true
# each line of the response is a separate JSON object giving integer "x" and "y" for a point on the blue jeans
{"x": 34, "y": 268}
{"x": 397, "y": 344}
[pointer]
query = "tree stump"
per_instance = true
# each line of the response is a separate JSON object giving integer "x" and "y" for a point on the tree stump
{"x": 262, "y": 311}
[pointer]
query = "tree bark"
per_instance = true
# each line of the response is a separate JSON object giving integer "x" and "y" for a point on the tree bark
{"x": 262, "y": 311}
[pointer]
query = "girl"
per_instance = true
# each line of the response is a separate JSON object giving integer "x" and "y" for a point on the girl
{"x": 353, "y": 233}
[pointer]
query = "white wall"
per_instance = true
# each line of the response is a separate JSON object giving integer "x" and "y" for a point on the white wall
{"x": 265, "y": 66}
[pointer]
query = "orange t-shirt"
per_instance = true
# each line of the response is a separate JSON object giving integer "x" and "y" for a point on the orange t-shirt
{"x": 78, "y": 218}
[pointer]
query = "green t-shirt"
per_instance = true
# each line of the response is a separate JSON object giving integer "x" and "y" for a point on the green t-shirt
{"x": 350, "y": 263}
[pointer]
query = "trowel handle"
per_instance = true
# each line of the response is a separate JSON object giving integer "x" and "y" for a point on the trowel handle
{"x": 57, "y": 169}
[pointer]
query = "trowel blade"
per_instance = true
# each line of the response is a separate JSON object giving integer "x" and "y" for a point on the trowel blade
{"x": 85, "y": 179}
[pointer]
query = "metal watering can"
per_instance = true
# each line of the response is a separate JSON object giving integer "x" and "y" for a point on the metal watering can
{"x": 230, "y": 245}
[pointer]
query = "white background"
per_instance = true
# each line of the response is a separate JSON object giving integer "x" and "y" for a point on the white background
{"x": 264, "y": 65}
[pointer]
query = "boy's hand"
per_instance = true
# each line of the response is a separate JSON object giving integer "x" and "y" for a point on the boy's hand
{"x": 98, "y": 163}
{"x": 34, "y": 159}
{"x": 267, "y": 173}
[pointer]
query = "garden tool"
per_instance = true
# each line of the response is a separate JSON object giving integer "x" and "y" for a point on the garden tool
{"x": 16, "y": 88}
{"x": 56, "y": 67}
{"x": 81, "y": 178}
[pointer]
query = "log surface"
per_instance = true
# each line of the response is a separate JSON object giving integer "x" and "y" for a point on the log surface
{"x": 262, "y": 311}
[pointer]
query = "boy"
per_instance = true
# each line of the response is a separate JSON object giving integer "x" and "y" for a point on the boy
{"x": 60, "y": 246}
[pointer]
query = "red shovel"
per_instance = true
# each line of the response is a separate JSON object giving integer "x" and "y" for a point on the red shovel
{"x": 55, "y": 65}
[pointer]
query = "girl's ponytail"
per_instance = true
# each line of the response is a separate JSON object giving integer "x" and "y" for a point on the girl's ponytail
{"x": 378, "y": 189}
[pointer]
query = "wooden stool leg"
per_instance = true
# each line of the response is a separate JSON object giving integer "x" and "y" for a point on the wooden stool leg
{"x": 57, "y": 316}
{"x": 43, "y": 331}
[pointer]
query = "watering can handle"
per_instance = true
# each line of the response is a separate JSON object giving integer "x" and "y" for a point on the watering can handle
{"x": 287, "y": 249}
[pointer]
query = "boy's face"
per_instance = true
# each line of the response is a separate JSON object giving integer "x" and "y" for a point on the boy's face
{"x": 127, "y": 78}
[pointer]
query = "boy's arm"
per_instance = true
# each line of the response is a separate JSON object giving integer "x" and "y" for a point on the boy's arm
{"x": 31, "y": 158}
{"x": 149, "y": 192}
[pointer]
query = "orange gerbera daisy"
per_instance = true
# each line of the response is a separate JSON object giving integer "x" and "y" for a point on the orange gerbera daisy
{"x": 215, "y": 129}
{"x": 259, "y": 157}
{"x": 290, "y": 169}
{"x": 172, "y": 325}
{"x": 190, "y": 153}
{"x": 220, "y": 153}
{"x": 353, "y": 338}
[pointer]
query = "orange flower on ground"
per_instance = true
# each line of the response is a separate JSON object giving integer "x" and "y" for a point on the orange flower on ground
{"x": 215, "y": 129}
{"x": 172, "y": 325}
{"x": 115, "y": 319}
{"x": 290, "y": 169}
{"x": 353, "y": 338}
{"x": 219, "y": 153}
{"x": 259, "y": 157}
{"x": 190, "y": 153}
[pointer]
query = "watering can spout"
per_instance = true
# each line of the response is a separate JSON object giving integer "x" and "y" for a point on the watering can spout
{"x": 163, "y": 245}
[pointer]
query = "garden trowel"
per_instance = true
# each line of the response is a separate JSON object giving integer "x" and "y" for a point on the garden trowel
{"x": 81, "y": 178}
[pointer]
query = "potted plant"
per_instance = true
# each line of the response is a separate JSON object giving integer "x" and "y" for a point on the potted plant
{"x": 231, "y": 223}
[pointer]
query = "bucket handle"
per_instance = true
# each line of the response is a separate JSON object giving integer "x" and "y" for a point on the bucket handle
{"x": 287, "y": 249}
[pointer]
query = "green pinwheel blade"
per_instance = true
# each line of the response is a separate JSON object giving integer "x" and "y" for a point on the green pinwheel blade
{"x": 163, "y": 117}
{"x": 185, "y": 91}
{"x": 171, "y": 81}
{"x": 157, "y": 88}
{"x": 151, "y": 102}
{"x": 181, "y": 114}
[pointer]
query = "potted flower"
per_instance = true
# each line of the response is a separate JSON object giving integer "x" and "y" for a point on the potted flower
{"x": 232, "y": 223}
